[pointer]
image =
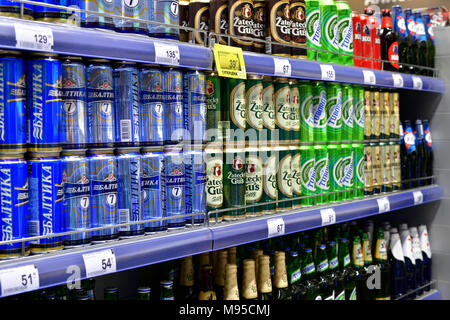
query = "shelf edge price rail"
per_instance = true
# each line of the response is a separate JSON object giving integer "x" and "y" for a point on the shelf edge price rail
{"x": 99, "y": 263}
{"x": 19, "y": 280}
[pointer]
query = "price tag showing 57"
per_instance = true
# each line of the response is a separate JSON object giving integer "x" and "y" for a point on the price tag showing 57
{"x": 99, "y": 263}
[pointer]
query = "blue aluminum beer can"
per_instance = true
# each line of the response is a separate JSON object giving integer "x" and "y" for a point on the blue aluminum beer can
{"x": 126, "y": 93}
{"x": 174, "y": 193}
{"x": 44, "y": 76}
{"x": 14, "y": 205}
{"x": 12, "y": 9}
{"x": 195, "y": 187}
{"x": 76, "y": 210}
{"x": 48, "y": 14}
{"x": 164, "y": 11}
{"x": 13, "y": 99}
{"x": 129, "y": 192}
{"x": 74, "y": 103}
{"x": 93, "y": 20}
{"x": 100, "y": 100}
{"x": 103, "y": 196}
{"x": 152, "y": 106}
{"x": 153, "y": 186}
{"x": 46, "y": 203}
{"x": 136, "y": 9}
{"x": 194, "y": 106}
{"x": 173, "y": 106}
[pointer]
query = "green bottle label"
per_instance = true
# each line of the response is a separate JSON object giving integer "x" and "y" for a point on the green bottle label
{"x": 334, "y": 263}
{"x": 323, "y": 266}
{"x": 309, "y": 268}
{"x": 341, "y": 295}
{"x": 347, "y": 260}
{"x": 296, "y": 276}
{"x": 353, "y": 294}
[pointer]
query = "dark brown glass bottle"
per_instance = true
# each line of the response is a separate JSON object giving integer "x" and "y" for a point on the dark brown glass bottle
{"x": 389, "y": 43}
{"x": 206, "y": 291}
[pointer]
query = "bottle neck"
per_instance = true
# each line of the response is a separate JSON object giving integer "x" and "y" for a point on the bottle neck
{"x": 386, "y": 22}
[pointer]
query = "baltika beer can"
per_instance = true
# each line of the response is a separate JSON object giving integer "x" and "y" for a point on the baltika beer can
{"x": 240, "y": 17}
{"x": 218, "y": 20}
{"x": 347, "y": 170}
{"x": 76, "y": 204}
{"x": 386, "y": 167}
{"x": 375, "y": 114}
{"x": 347, "y": 113}
{"x": 151, "y": 106}
{"x": 268, "y": 115}
{"x": 46, "y": 203}
{"x": 55, "y": 15}
{"x": 173, "y": 105}
{"x": 254, "y": 108}
{"x": 358, "y": 113}
{"x": 74, "y": 109}
{"x": 194, "y": 105}
{"x": 98, "y": 15}
{"x": 297, "y": 12}
{"x": 13, "y": 100}
{"x": 279, "y": 29}
{"x": 127, "y": 104}
{"x": 385, "y": 123}
{"x": 296, "y": 175}
{"x": 101, "y": 108}
{"x": 368, "y": 100}
{"x": 358, "y": 165}
{"x": 282, "y": 102}
{"x": 295, "y": 112}
{"x": 335, "y": 158}
{"x": 269, "y": 180}
{"x": 320, "y": 112}
{"x": 153, "y": 185}
{"x": 135, "y": 10}
{"x": 129, "y": 192}
{"x": 44, "y": 78}
{"x": 322, "y": 169}
{"x": 14, "y": 209}
{"x": 368, "y": 169}
{"x": 214, "y": 181}
{"x": 103, "y": 197}
{"x": 308, "y": 174}
{"x": 234, "y": 114}
{"x": 199, "y": 20}
{"x": 234, "y": 182}
{"x": 214, "y": 107}
{"x": 166, "y": 12}
{"x": 334, "y": 112}
{"x": 195, "y": 166}
{"x": 307, "y": 111}
{"x": 175, "y": 184}
{"x": 284, "y": 178}
{"x": 259, "y": 25}
{"x": 253, "y": 181}
{"x": 12, "y": 9}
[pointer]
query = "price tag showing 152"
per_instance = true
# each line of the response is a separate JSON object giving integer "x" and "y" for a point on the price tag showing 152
{"x": 99, "y": 263}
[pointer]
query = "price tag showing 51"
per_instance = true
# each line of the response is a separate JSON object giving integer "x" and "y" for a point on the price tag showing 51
{"x": 18, "y": 280}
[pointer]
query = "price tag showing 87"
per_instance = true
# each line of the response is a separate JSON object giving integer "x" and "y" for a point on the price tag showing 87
{"x": 99, "y": 263}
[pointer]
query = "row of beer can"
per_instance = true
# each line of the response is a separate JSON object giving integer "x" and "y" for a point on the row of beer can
{"x": 113, "y": 192}
{"x": 248, "y": 181}
{"x": 285, "y": 111}
{"x": 68, "y": 104}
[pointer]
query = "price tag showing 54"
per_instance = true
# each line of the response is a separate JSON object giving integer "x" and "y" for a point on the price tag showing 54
{"x": 99, "y": 263}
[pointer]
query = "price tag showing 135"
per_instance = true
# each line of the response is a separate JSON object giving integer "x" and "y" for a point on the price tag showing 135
{"x": 99, "y": 263}
{"x": 18, "y": 280}
{"x": 167, "y": 53}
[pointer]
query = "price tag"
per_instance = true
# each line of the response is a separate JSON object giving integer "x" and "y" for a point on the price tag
{"x": 328, "y": 216}
{"x": 369, "y": 77}
{"x": 33, "y": 37}
{"x": 166, "y": 53}
{"x": 275, "y": 227}
{"x": 229, "y": 61}
{"x": 18, "y": 280}
{"x": 383, "y": 205}
{"x": 328, "y": 72}
{"x": 282, "y": 67}
{"x": 418, "y": 197}
{"x": 99, "y": 263}
{"x": 417, "y": 83}
{"x": 398, "y": 80}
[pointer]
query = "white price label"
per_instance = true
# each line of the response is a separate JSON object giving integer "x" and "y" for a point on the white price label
{"x": 33, "y": 37}
{"x": 418, "y": 197}
{"x": 167, "y": 53}
{"x": 398, "y": 80}
{"x": 369, "y": 77}
{"x": 18, "y": 280}
{"x": 328, "y": 72}
{"x": 282, "y": 67}
{"x": 383, "y": 205}
{"x": 99, "y": 263}
{"x": 417, "y": 83}
{"x": 275, "y": 227}
{"x": 328, "y": 216}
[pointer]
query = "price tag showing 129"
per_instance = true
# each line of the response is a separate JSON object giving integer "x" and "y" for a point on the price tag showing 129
{"x": 18, "y": 280}
{"x": 33, "y": 37}
{"x": 99, "y": 263}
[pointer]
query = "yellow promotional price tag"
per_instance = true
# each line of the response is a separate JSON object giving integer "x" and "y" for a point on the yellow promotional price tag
{"x": 229, "y": 61}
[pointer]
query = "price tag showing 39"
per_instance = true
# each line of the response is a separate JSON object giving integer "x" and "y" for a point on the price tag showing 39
{"x": 99, "y": 263}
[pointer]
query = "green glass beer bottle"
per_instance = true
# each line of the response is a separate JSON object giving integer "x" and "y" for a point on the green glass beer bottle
{"x": 294, "y": 273}
{"x": 144, "y": 293}
{"x": 111, "y": 293}
{"x": 325, "y": 283}
{"x": 347, "y": 274}
{"x": 369, "y": 293}
{"x": 358, "y": 267}
{"x": 334, "y": 273}
{"x": 383, "y": 267}
{"x": 309, "y": 271}
{"x": 166, "y": 290}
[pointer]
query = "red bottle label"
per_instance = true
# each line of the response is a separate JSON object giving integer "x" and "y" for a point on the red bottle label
{"x": 393, "y": 54}
{"x": 357, "y": 45}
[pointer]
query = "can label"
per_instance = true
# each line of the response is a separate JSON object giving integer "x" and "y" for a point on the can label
{"x": 280, "y": 25}
{"x": 345, "y": 35}
{"x": 320, "y": 114}
{"x": 175, "y": 179}
{"x": 385, "y": 116}
{"x": 165, "y": 11}
{"x": 358, "y": 169}
{"x": 376, "y": 115}
{"x": 334, "y": 111}
{"x": 307, "y": 113}
{"x": 259, "y": 24}
{"x": 377, "y": 169}
{"x": 295, "y": 113}
{"x": 241, "y": 22}
{"x": 253, "y": 180}
{"x": 152, "y": 107}
{"x": 335, "y": 157}
{"x": 214, "y": 182}
{"x": 359, "y": 115}
{"x": 347, "y": 116}
{"x": 268, "y": 106}
{"x": 214, "y": 109}
{"x": 313, "y": 30}
{"x": 132, "y": 9}
{"x": 270, "y": 183}
{"x": 283, "y": 108}
{"x": 285, "y": 179}
{"x": 195, "y": 106}
{"x": 102, "y": 6}
{"x": 368, "y": 170}
{"x": 234, "y": 183}
{"x": 296, "y": 174}
{"x": 199, "y": 20}
{"x": 329, "y": 38}
{"x": 395, "y": 116}
{"x": 237, "y": 106}
{"x": 396, "y": 166}
{"x": 297, "y": 13}
{"x": 219, "y": 19}
{"x": 173, "y": 100}
{"x": 195, "y": 200}
{"x": 322, "y": 173}
{"x": 254, "y": 103}
{"x": 368, "y": 114}
{"x": 183, "y": 19}
{"x": 348, "y": 177}
{"x": 308, "y": 174}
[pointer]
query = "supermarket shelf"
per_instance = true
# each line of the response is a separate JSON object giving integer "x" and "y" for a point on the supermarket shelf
{"x": 71, "y": 40}
{"x": 229, "y": 234}
{"x": 56, "y": 268}
{"x": 263, "y": 64}
{"x": 432, "y": 295}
